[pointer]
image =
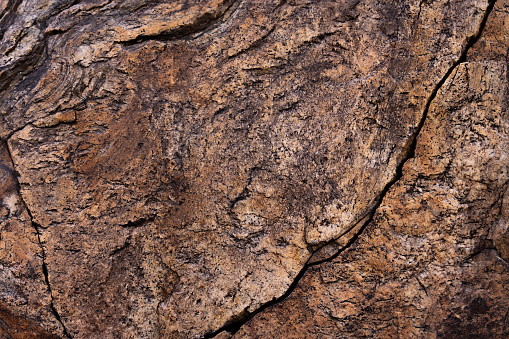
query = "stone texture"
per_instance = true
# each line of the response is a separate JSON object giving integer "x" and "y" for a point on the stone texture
{"x": 25, "y": 300}
{"x": 433, "y": 262}
{"x": 180, "y": 162}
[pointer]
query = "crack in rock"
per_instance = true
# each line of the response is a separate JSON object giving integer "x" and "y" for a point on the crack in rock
{"x": 44, "y": 264}
{"x": 46, "y": 274}
{"x": 235, "y": 326}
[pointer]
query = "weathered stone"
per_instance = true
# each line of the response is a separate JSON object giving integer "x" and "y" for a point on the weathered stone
{"x": 183, "y": 161}
{"x": 25, "y": 301}
{"x": 432, "y": 263}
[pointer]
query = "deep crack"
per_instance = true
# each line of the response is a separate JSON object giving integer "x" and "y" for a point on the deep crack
{"x": 44, "y": 264}
{"x": 45, "y": 271}
{"x": 234, "y": 327}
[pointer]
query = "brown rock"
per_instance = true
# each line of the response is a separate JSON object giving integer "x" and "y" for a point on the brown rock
{"x": 26, "y": 309}
{"x": 432, "y": 263}
{"x": 182, "y": 161}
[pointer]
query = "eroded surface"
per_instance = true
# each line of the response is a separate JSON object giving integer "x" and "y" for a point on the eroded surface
{"x": 182, "y": 160}
{"x": 433, "y": 263}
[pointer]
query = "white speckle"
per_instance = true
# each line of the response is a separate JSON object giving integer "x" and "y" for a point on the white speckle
{"x": 10, "y": 202}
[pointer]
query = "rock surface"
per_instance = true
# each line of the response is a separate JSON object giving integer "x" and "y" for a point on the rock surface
{"x": 434, "y": 260}
{"x": 171, "y": 168}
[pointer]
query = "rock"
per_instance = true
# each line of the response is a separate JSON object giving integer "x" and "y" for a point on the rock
{"x": 433, "y": 262}
{"x": 25, "y": 300}
{"x": 181, "y": 164}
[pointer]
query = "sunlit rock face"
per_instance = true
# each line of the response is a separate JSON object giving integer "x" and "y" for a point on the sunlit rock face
{"x": 171, "y": 167}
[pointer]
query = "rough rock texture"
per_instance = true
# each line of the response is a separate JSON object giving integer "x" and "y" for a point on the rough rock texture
{"x": 181, "y": 164}
{"x": 434, "y": 260}
{"x": 25, "y": 300}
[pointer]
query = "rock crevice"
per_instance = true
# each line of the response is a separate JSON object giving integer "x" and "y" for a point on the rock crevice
{"x": 410, "y": 153}
{"x": 44, "y": 266}
{"x": 187, "y": 168}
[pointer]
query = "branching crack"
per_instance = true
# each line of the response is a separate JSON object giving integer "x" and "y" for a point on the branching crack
{"x": 46, "y": 275}
{"x": 44, "y": 264}
{"x": 234, "y": 326}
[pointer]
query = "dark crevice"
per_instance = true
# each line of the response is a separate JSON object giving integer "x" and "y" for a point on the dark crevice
{"x": 486, "y": 250}
{"x": 257, "y": 43}
{"x": 201, "y": 25}
{"x": 37, "y": 228}
{"x": 52, "y": 306}
{"x": 485, "y": 245}
{"x": 473, "y": 39}
{"x": 46, "y": 275}
{"x": 138, "y": 222}
{"x": 8, "y": 16}
{"x": 16, "y": 130}
{"x": 350, "y": 242}
{"x": 234, "y": 326}
{"x": 242, "y": 195}
{"x": 413, "y": 138}
{"x": 120, "y": 249}
{"x": 478, "y": 252}
{"x": 245, "y": 192}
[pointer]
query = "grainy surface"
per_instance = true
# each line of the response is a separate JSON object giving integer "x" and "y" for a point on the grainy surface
{"x": 434, "y": 261}
{"x": 180, "y": 162}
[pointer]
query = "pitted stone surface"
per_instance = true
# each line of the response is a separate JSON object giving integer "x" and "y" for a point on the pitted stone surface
{"x": 181, "y": 161}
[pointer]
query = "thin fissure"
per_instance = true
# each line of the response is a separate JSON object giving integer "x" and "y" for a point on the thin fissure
{"x": 44, "y": 264}
{"x": 235, "y": 326}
